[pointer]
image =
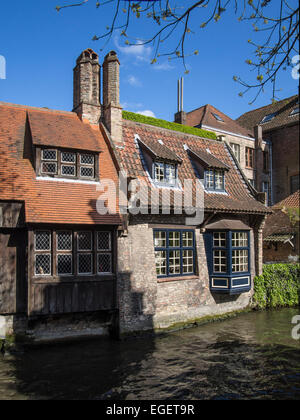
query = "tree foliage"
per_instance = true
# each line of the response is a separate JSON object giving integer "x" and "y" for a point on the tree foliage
{"x": 173, "y": 23}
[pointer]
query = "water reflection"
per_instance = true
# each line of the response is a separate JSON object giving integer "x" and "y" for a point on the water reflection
{"x": 251, "y": 356}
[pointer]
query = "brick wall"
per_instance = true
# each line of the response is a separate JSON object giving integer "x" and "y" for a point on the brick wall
{"x": 285, "y": 159}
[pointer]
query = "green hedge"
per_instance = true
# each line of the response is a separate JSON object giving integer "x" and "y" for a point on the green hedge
{"x": 131, "y": 116}
{"x": 278, "y": 286}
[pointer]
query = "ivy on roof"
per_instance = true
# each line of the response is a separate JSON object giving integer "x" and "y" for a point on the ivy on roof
{"x": 131, "y": 116}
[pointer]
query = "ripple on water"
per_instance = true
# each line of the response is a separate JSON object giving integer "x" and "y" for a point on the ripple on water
{"x": 249, "y": 357}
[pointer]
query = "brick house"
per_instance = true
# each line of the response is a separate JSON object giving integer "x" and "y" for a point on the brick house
{"x": 250, "y": 150}
{"x": 279, "y": 123}
{"x": 281, "y": 232}
{"x": 65, "y": 266}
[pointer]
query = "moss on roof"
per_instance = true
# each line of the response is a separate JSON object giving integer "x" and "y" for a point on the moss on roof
{"x": 131, "y": 116}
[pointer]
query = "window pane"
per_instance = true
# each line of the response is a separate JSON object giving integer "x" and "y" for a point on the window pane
{"x": 188, "y": 262}
{"x": 104, "y": 264}
{"x": 219, "y": 179}
{"x": 49, "y": 155}
{"x": 42, "y": 241}
{"x": 187, "y": 239}
{"x": 220, "y": 261}
{"x": 174, "y": 239}
{"x": 85, "y": 264}
{"x": 159, "y": 169}
{"x": 240, "y": 261}
{"x": 84, "y": 241}
{"x": 67, "y": 157}
{"x": 174, "y": 262}
{"x": 209, "y": 179}
{"x": 64, "y": 264}
{"x": 103, "y": 241}
{"x": 49, "y": 168}
{"x": 161, "y": 263}
{"x": 86, "y": 159}
{"x": 87, "y": 172}
{"x": 171, "y": 174}
{"x": 160, "y": 239}
{"x": 42, "y": 264}
{"x": 220, "y": 239}
{"x": 236, "y": 151}
{"x": 64, "y": 241}
{"x": 239, "y": 239}
{"x": 68, "y": 170}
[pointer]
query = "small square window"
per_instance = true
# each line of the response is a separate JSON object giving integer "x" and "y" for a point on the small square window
{"x": 86, "y": 172}
{"x": 64, "y": 264}
{"x": 49, "y": 155}
{"x": 85, "y": 264}
{"x": 174, "y": 263}
{"x": 86, "y": 159}
{"x": 160, "y": 239}
{"x": 64, "y": 241}
{"x": 220, "y": 239}
{"x": 43, "y": 265}
{"x": 68, "y": 170}
{"x": 104, "y": 241}
{"x": 49, "y": 168}
{"x": 84, "y": 240}
{"x": 104, "y": 264}
{"x": 161, "y": 263}
{"x": 67, "y": 157}
{"x": 187, "y": 239}
{"x": 174, "y": 239}
{"x": 42, "y": 241}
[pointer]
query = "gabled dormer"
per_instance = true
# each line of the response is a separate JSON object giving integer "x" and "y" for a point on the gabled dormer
{"x": 161, "y": 162}
{"x": 64, "y": 147}
{"x": 209, "y": 168}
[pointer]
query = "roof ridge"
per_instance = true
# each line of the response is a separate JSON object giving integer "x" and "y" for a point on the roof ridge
{"x": 266, "y": 106}
{"x": 196, "y": 109}
{"x": 34, "y": 108}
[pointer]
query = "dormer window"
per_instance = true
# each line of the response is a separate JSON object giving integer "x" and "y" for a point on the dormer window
{"x": 268, "y": 118}
{"x": 214, "y": 180}
{"x": 66, "y": 164}
{"x": 209, "y": 168}
{"x": 160, "y": 162}
{"x": 165, "y": 173}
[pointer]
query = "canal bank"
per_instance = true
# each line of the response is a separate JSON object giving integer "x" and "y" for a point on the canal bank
{"x": 252, "y": 356}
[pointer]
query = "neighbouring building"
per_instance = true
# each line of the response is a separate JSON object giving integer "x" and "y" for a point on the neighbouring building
{"x": 280, "y": 128}
{"x": 68, "y": 269}
{"x": 281, "y": 232}
{"x": 252, "y": 153}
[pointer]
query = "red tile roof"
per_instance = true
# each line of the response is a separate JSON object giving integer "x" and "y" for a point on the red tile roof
{"x": 207, "y": 159}
{"x": 238, "y": 198}
{"x": 49, "y": 201}
{"x": 282, "y": 109}
{"x": 61, "y": 130}
{"x": 203, "y": 116}
{"x": 291, "y": 202}
{"x": 159, "y": 150}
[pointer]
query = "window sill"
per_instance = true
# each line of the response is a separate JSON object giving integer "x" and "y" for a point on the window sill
{"x": 172, "y": 279}
{"x": 73, "y": 279}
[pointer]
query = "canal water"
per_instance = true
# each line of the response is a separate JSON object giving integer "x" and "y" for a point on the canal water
{"x": 252, "y": 356}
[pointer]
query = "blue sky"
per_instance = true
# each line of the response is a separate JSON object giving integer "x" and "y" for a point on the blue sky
{"x": 41, "y": 46}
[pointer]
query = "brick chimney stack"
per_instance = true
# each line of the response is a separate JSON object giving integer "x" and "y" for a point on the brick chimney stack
{"x": 112, "y": 110}
{"x": 87, "y": 87}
